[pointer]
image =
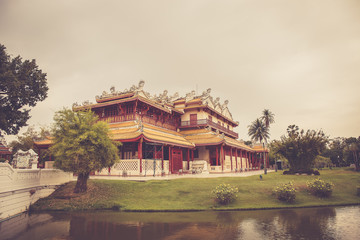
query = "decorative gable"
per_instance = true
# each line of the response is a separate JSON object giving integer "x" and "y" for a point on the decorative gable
{"x": 227, "y": 113}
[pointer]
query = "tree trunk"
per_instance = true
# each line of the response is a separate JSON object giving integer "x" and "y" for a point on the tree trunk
{"x": 81, "y": 184}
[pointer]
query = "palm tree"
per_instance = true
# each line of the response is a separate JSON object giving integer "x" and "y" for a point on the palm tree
{"x": 268, "y": 117}
{"x": 259, "y": 132}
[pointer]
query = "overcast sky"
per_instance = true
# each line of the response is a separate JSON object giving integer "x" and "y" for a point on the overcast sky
{"x": 300, "y": 59}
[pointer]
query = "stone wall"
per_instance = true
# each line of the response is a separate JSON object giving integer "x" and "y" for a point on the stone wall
{"x": 21, "y": 187}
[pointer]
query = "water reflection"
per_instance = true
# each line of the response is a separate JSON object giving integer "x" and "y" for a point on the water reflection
{"x": 311, "y": 223}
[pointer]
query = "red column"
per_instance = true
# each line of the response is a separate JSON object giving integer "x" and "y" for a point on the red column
{"x": 241, "y": 153}
{"x": 162, "y": 157}
{"x": 140, "y": 153}
{"x": 188, "y": 158}
{"x": 181, "y": 157}
{"x": 231, "y": 158}
{"x": 222, "y": 157}
{"x": 217, "y": 156}
{"x": 246, "y": 160}
{"x": 252, "y": 161}
{"x": 192, "y": 155}
{"x": 236, "y": 163}
{"x": 170, "y": 159}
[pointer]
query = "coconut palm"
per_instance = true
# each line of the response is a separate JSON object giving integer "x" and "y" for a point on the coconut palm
{"x": 268, "y": 117}
{"x": 258, "y": 131}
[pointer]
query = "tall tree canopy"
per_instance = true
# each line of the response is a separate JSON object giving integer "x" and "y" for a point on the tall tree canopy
{"x": 81, "y": 145}
{"x": 300, "y": 148}
{"x": 22, "y": 85}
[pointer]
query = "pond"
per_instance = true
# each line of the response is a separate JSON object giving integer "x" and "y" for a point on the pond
{"x": 307, "y": 223}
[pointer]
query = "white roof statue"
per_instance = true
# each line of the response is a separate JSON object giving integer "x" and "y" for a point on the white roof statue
{"x": 25, "y": 159}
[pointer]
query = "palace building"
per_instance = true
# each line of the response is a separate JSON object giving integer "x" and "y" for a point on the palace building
{"x": 169, "y": 134}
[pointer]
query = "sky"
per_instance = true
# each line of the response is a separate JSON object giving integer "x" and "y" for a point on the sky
{"x": 299, "y": 59}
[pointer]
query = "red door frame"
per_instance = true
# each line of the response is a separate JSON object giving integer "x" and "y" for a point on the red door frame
{"x": 176, "y": 160}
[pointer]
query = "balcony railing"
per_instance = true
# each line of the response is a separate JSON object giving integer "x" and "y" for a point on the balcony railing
{"x": 207, "y": 122}
{"x": 146, "y": 119}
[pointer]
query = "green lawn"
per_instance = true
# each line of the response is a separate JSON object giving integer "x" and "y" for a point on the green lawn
{"x": 195, "y": 194}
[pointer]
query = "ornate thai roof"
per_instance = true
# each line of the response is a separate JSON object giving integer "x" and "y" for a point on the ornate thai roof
{"x": 191, "y": 100}
{"x": 260, "y": 148}
{"x": 163, "y": 101}
{"x": 133, "y": 130}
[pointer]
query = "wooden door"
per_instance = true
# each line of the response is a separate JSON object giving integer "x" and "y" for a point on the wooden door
{"x": 176, "y": 157}
{"x": 193, "y": 119}
{"x": 212, "y": 154}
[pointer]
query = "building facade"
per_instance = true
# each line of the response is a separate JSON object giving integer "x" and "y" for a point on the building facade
{"x": 169, "y": 134}
{"x": 5, "y": 151}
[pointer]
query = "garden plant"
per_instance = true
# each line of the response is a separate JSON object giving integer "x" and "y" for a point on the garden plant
{"x": 225, "y": 193}
{"x": 320, "y": 187}
{"x": 285, "y": 192}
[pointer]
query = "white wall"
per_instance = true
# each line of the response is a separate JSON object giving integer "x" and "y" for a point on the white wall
{"x": 132, "y": 168}
{"x": 21, "y": 187}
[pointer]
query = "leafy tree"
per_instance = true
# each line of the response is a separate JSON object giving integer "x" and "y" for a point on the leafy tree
{"x": 274, "y": 156}
{"x": 81, "y": 145}
{"x": 321, "y": 162}
{"x": 22, "y": 85}
{"x": 335, "y": 151}
{"x": 352, "y": 151}
{"x": 248, "y": 143}
{"x": 27, "y": 139}
{"x": 301, "y": 148}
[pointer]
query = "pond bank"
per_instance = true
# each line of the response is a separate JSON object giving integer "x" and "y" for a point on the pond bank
{"x": 194, "y": 194}
{"x": 310, "y": 223}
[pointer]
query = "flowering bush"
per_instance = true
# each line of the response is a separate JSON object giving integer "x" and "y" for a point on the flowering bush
{"x": 285, "y": 192}
{"x": 225, "y": 193}
{"x": 320, "y": 188}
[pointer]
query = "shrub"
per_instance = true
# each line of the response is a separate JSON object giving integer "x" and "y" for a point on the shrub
{"x": 225, "y": 193}
{"x": 308, "y": 172}
{"x": 285, "y": 192}
{"x": 320, "y": 188}
{"x": 358, "y": 191}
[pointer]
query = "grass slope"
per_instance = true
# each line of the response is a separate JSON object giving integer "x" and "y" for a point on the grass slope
{"x": 195, "y": 194}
